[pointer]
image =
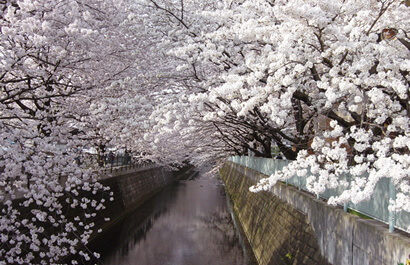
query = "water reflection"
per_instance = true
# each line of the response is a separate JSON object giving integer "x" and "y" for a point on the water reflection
{"x": 186, "y": 223}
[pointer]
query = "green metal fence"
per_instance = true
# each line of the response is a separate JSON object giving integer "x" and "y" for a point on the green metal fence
{"x": 376, "y": 207}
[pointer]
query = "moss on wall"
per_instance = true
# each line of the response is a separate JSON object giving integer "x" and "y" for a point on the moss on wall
{"x": 278, "y": 233}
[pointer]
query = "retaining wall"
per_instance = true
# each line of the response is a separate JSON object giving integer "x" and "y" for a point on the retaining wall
{"x": 132, "y": 188}
{"x": 287, "y": 226}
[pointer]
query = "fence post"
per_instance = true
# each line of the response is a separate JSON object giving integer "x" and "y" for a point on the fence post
{"x": 347, "y": 178}
{"x": 392, "y": 214}
{"x": 299, "y": 182}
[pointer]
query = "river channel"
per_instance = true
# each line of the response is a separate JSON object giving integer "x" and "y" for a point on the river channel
{"x": 188, "y": 223}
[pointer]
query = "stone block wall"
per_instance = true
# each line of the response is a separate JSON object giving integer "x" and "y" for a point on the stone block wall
{"x": 138, "y": 186}
{"x": 321, "y": 234}
{"x": 131, "y": 189}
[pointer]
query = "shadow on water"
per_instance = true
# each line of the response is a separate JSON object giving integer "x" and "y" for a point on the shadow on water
{"x": 187, "y": 223}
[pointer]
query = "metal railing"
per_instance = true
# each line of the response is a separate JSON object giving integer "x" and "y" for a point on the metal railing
{"x": 111, "y": 162}
{"x": 376, "y": 207}
{"x": 121, "y": 165}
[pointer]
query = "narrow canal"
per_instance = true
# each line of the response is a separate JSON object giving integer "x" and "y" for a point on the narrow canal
{"x": 187, "y": 223}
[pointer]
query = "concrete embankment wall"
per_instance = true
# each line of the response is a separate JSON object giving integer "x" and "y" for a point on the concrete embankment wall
{"x": 131, "y": 189}
{"x": 287, "y": 226}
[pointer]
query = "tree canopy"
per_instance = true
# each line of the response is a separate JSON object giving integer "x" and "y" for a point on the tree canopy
{"x": 327, "y": 82}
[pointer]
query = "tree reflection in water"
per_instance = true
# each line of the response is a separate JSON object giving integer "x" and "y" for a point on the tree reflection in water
{"x": 186, "y": 223}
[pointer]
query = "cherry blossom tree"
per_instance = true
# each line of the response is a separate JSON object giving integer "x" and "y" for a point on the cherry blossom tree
{"x": 61, "y": 63}
{"x": 169, "y": 134}
{"x": 327, "y": 82}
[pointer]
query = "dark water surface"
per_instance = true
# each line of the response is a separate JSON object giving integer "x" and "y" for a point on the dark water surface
{"x": 187, "y": 223}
